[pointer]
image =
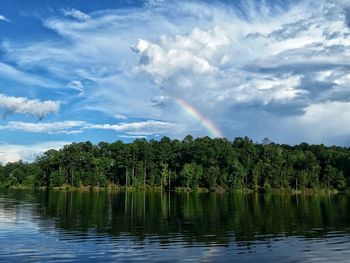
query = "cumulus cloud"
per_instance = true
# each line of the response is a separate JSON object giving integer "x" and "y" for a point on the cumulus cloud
{"x": 199, "y": 53}
{"x": 3, "y": 18}
{"x": 246, "y": 66}
{"x": 28, "y": 153}
{"x": 267, "y": 70}
{"x": 24, "y": 105}
{"x": 76, "y": 14}
{"x": 265, "y": 89}
{"x": 307, "y": 44}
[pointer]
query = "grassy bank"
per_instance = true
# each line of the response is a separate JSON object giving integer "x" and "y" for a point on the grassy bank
{"x": 148, "y": 188}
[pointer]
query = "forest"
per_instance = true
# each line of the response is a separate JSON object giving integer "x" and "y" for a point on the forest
{"x": 190, "y": 164}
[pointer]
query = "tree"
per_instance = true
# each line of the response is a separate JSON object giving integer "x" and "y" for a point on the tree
{"x": 200, "y": 162}
{"x": 190, "y": 174}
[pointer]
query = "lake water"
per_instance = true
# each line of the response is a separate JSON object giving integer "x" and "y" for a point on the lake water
{"x": 101, "y": 226}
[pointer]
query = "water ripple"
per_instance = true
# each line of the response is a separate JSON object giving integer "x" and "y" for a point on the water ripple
{"x": 61, "y": 227}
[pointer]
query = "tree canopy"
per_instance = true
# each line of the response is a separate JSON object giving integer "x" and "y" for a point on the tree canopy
{"x": 188, "y": 163}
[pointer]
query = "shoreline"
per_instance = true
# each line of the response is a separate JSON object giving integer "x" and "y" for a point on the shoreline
{"x": 148, "y": 188}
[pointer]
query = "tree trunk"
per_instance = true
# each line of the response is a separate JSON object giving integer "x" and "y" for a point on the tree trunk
{"x": 169, "y": 179}
{"x": 66, "y": 179}
{"x": 126, "y": 177}
{"x": 281, "y": 179}
{"x": 144, "y": 174}
{"x": 48, "y": 179}
{"x": 72, "y": 174}
{"x": 96, "y": 175}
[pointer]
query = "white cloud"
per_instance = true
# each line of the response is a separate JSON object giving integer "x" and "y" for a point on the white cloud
{"x": 76, "y": 85}
{"x": 159, "y": 100}
{"x": 10, "y": 72}
{"x": 149, "y": 127}
{"x": 144, "y": 128}
{"x": 24, "y": 105}
{"x": 335, "y": 77}
{"x": 154, "y": 3}
{"x": 77, "y": 14}
{"x": 289, "y": 44}
{"x": 2, "y": 18}
{"x": 120, "y": 117}
{"x": 324, "y": 121}
{"x": 328, "y": 117}
{"x": 345, "y": 3}
{"x": 64, "y": 127}
{"x": 132, "y": 136}
{"x": 237, "y": 68}
{"x": 197, "y": 53}
{"x": 265, "y": 90}
{"x": 27, "y": 153}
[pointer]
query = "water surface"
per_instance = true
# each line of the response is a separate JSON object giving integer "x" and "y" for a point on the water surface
{"x": 101, "y": 226}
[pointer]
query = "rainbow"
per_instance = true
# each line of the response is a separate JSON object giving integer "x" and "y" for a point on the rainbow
{"x": 207, "y": 124}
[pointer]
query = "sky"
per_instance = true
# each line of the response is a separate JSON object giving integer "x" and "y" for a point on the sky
{"x": 108, "y": 70}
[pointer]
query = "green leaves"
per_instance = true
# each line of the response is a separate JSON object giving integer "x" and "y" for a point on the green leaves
{"x": 190, "y": 163}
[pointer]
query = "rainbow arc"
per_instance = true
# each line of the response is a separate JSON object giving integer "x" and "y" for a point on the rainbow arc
{"x": 207, "y": 123}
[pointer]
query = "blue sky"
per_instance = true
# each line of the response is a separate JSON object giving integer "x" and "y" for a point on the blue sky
{"x": 106, "y": 70}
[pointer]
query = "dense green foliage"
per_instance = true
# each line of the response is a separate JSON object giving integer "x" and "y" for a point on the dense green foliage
{"x": 190, "y": 163}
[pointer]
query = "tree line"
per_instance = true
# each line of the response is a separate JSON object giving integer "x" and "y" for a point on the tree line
{"x": 191, "y": 163}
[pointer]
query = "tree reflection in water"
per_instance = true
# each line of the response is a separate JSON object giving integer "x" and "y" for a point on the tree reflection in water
{"x": 194, "y": 218}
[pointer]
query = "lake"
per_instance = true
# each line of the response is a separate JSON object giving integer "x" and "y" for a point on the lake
{"x": 173, "y": 227}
